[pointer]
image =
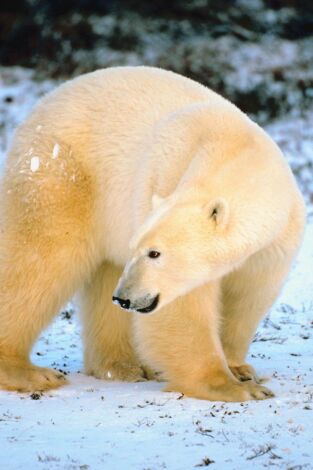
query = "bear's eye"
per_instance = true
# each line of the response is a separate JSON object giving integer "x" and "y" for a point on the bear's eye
{"x": 154, "y": 254}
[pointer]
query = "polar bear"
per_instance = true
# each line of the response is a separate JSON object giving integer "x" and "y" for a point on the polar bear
{"x": 141, "y": 168}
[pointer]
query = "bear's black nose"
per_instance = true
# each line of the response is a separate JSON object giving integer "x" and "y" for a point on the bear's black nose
{"x": 123, "y": 303}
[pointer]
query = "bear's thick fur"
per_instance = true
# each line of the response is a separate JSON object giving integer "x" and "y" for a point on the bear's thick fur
{"x": 143, "y": 167}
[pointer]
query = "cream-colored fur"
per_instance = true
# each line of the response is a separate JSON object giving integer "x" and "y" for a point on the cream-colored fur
{"x": 108, "y": 331}
{"x": 120, "y": 162}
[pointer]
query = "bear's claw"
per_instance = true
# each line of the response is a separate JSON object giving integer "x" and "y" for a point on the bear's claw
{"x": 245, "y": 372}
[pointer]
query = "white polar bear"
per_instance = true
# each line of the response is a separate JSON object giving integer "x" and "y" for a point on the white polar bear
{"x": 212, "y": 211}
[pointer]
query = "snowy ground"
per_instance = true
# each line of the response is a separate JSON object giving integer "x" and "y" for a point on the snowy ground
{"x": 91, "y": 424}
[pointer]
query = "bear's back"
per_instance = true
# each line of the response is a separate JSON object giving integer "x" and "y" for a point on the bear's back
{"x": 118, "y": 96}
{"x": 106, "y": 119}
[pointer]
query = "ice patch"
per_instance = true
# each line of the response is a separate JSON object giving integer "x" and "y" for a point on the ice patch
{"x": 34, "y": 163}
{"x": 55, "y": 151}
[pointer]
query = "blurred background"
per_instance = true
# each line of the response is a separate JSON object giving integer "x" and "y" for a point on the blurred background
{"x": 257, "y": 53}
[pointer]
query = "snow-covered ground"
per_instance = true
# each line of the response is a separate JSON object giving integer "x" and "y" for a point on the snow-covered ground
{"x": 92, "y": 424}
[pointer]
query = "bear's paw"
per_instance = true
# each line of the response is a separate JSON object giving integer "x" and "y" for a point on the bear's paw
{"x": 245, "y": 372}
{"x": 123, "y": 371}
{"x": 28, "y": 377}
{"x": 231, "y": 391}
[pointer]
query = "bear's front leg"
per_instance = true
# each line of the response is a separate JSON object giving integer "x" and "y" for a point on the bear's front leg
{"x": 182, "y": 341}
{"x": 247, "y": 294}
{"x": 109, "y": 353}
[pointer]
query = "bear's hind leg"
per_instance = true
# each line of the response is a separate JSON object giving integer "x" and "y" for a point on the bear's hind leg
{"x": 46, "y": 250}
{"x": 35, "y": 281}
{"x": 109, "y": 353}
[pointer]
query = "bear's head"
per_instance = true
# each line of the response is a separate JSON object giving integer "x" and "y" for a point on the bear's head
{"x": 180, "y": 246}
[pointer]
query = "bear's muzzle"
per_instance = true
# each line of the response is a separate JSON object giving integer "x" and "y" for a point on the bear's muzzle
{"x": 143, "y": 305}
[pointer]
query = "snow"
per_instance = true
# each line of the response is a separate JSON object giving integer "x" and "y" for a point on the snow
{"x": 19, "y": 85}
{"x": 34, "y": 163}
{"x": 55, "y": 151}
{"x": 93, "y": 424}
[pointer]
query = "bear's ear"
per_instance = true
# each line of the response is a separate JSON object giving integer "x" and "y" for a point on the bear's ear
{"x": 156, "y": 201}
{"x": 218, "y": 212}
